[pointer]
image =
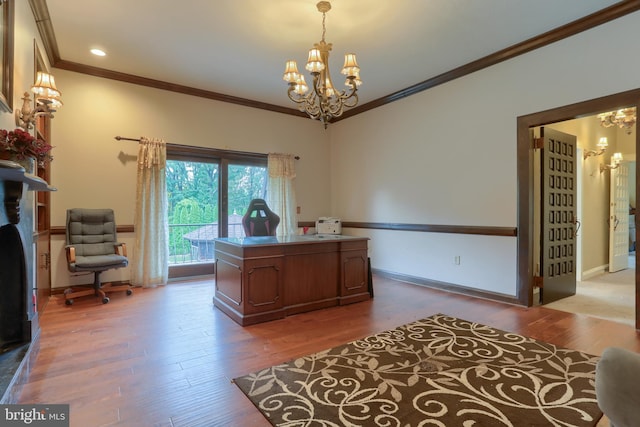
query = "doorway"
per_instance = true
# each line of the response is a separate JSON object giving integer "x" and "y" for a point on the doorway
{"x": 525, "y": 163}
{"x": 604, "y": 288}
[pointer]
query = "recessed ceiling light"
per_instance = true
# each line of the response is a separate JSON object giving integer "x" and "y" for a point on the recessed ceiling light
{"x": 98, "y": 52}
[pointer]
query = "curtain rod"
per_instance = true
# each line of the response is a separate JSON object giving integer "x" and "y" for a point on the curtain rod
{"x": 138, "y": 139}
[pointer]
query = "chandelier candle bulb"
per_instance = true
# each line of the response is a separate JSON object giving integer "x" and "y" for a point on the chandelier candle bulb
{"x": 301, "y": 86}
{"x": 356, "y": 79}
{"x": 329, "y": 91}
{"x": 624, "y": 118}
{"x": 291, "y": 73}
{"x": 45, "y": 89}
{"x": 350, "y": 68}
{"x": 314, "y": 63}
{"x": 46, "y": 101}
{"x": 324, "y": 102}
{"x": 602, "y": 147}
{"x": 617, "y": 158}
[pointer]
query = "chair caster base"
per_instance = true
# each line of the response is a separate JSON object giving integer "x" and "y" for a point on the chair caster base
{"x": 68, "y": 302}
{"x": 129, "y": 292}
{"x": 105, "y": 300}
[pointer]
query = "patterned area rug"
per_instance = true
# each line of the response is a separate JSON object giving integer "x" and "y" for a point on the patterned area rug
{"x": 439, "y": 371}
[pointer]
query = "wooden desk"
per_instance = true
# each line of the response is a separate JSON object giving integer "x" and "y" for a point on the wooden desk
{"x": 259, "y": 279}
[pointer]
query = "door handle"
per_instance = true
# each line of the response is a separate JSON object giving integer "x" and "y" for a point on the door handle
{"x": 615, "y": 222}
{"x": 577, "y": 224}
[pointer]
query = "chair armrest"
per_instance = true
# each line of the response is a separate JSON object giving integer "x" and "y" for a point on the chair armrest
{"x": 71, "y": 253}
{"x": 121, "y": 249}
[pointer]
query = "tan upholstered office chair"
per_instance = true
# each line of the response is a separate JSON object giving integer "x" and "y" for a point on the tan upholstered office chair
{"x": 259, "y": 220}
{"x": 92, "y": 246}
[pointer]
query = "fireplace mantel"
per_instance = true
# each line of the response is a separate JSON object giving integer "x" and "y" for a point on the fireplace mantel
{"x": 15, "y": 178}
{"x": 20, "y": 330}
{"x": 12, "y": 171}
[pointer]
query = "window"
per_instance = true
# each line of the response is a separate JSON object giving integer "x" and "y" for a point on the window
{"x": 245, "y": 183}
{"x": 208, "y": 192}
{"x": 193, "y": 210}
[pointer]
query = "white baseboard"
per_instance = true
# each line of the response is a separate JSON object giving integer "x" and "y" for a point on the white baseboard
{"x": 597, "y": 271}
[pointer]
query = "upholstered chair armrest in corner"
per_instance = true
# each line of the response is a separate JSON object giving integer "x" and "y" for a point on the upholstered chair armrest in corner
{"x": 121, "y": 249}
{"x": 71, "y": 253}
{"x": 618, "y": 386}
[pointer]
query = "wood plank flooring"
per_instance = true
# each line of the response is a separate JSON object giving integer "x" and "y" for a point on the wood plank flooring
{"x": 166, "y": 356}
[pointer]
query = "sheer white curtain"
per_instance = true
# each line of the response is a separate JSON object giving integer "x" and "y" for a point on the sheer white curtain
{"x": 151, "y": 256}
{"x": 281, "y": 196}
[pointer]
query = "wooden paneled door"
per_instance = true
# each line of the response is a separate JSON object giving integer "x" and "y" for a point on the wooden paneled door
{"x": 558, "y": 216}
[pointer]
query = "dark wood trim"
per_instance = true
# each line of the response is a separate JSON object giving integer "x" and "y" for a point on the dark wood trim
{"x": 590, "y": 21}
{"x": 436, "y": 228}
{"x": 60, "y": 230}
{"x": 525, "y": 200}
{"x": 206, "y": 154}
{"x": 425, "y": 228}
{"x": 449, "y": 287}
{"x": 45, "y": 28}
{"x": 191, "y": 270}
{"x": 603, "y": 16}
{"x": 172, "y": 87}
{"x": 7, "y": 57}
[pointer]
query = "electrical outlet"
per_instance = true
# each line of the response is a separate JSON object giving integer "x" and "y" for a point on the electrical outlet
{"x": 456, "y": 260}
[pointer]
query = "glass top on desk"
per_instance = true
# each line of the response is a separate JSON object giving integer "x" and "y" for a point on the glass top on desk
{"x": 293, "y": 238}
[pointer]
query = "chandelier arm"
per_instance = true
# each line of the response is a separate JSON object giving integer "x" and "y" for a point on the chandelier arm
{"x": 311, "y": 107}
{"x": 353, "y": 88}
{"x": 324, "y": 101}
{"x": 335, "y": 106}
{"x": 352, "y": 102}
{"x": 343, "y": 99}
{"x": 295, "y": 97}
{"x": 624, "y": 118}
{"x": 317, "y": 85}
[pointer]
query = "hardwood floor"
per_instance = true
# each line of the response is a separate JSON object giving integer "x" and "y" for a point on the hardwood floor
{"x": 166, "y": 356}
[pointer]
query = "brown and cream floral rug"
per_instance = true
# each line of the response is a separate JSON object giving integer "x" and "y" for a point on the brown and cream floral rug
{"x": 439, "y": 371}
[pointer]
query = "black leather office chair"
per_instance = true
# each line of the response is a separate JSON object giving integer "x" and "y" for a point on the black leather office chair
{"x": 259, "y": 220}
{"x": 92, "y": 246}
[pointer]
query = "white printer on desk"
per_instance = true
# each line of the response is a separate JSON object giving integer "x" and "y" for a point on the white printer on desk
{"x": 328, "y": 225}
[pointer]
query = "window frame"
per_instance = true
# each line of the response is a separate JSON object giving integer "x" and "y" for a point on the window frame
{"x": 224, "y": 158}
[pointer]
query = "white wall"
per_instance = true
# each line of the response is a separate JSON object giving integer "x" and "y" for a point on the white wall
{"x": 443, "y": 156}
{"x": 448, "y": 155}
{"x": 87, "y": 167}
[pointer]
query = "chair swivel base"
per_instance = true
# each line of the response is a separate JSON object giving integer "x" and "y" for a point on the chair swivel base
{"x": 100, "y": 291}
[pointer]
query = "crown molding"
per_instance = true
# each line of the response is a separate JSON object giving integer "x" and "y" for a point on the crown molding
{"x": 45, "y": 28}
{"x": 590, "y": 21}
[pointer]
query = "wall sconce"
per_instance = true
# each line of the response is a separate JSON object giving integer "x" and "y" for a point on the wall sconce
{"x": 615, "y": 162}
{"x": 46, "y": 99}
{"x": 602, "y": 147}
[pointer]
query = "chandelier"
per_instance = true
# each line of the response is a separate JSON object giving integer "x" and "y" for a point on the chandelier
{"x": 624, "y": 119}
{"x": 324, "y": 102}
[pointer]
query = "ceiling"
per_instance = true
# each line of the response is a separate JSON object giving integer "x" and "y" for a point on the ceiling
{"x": 239, "y": 47}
